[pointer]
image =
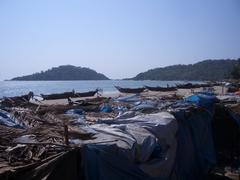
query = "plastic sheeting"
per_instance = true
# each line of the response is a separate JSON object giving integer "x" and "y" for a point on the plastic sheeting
{"x": 75, "y": 112}
{"x": 145, "y": 106}
{"x": 147, "y": 146}
{"x": 7, "y": 120}
{"x": 106, "y": 108}
{"x": 131, "y": 98}
{"x": 235, "y": 116}
{"x": 195, "y": 152}
{"x": 142, "y": 147}
{"x": 203, "y": 100}
{"x": 78, "y": 115}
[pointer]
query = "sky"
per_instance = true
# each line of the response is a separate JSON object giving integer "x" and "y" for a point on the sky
{"x": 119, "y": 38}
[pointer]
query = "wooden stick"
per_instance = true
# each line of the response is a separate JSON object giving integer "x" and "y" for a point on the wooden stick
{"x": 37, "y": 108}
{"x": 40, "y": 143}
{"x": 222, "y": 89}
{"x": 66, "y": 134}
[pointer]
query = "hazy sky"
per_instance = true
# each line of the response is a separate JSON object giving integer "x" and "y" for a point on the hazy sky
{"x": 119, "y": 38}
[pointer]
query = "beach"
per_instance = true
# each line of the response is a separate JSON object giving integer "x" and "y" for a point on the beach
{"x": 129, "y": 128}
{"x": 114, "y": 94}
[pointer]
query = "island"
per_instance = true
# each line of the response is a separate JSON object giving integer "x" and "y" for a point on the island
{"x": 212, "y": 70}
{"x": 63, "y": 73}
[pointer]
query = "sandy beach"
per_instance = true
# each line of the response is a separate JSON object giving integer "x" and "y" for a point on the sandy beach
{"x": 180, "y": 92}
{"x": 138, "y": 120}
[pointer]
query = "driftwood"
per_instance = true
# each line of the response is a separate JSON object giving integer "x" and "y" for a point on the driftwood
{"x": 42, "y": 143}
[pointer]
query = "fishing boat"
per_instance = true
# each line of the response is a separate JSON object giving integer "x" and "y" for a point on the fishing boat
{"x": 163, "y": 89}
{"x": 66, "y": 95}
{"x": 57, "y": 96}
{"x": 86, "y": 94}
{"x": 130, "y": 90}
{"x": 192, "y": 86}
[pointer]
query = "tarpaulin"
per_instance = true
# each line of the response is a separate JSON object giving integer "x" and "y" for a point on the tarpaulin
{"x": 142, "y": 147}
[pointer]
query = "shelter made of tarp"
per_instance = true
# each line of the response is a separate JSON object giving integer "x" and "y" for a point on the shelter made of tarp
{"x": 195, "y": 154}
{"x": 142, "y": 147}
{"x": 154, "y": 146}
{"x": 226, "y": 134}
{"x": 164, "y": 145}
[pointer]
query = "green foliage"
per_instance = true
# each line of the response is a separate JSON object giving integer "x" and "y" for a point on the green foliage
{"x": 66, "y": 72}
{"x": 204, "y": 70}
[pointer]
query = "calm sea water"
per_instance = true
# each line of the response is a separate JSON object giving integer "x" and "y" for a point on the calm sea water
{"x": 16, "y": 88}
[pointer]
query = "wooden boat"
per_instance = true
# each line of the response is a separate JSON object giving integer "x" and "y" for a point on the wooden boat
{"x": 86, "y": 94}
{"x": 192, "y": 86}
{"x": 163, "y": 89}
{"x": 66, "y": 95}
{"x": 185, "y": 86}
{"x": 130, "y": 90}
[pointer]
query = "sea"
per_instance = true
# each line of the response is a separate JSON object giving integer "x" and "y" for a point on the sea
{"x": 17, "y": 88}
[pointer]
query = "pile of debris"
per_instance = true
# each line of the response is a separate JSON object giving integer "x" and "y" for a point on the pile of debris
{"x": 140, "y": 136}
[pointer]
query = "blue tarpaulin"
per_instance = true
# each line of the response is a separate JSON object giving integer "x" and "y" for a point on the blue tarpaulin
{"x": 203, "y": 100}
{"x": 8, "y": 120}
{"x": 142, "y": 147}
{"x": 195, "y": 152}
{"x": 152, "y": 147}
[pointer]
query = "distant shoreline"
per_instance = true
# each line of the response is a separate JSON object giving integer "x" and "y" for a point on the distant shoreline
{"x": 16, "y": 88}
{"x": 207, "y": 70}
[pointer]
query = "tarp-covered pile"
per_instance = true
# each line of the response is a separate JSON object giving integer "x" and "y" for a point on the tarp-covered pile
{"x": 132, "y": 137}
{"x": 142, "y": 147}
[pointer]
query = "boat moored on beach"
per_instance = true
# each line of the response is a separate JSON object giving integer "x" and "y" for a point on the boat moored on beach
{"x": 162, "y": 89}
{"x": 192, "y": 86}
{"x": 130, "y": 90}
{"x": 66, "y": 95}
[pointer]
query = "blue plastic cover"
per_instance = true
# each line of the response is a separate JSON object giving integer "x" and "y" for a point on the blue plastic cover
{"x": 78, "y": 115}
{"x": 195, "y": 152}
{"x": 129, "y": 99}
{"x": 203, "y": 100}
{"x": 142, "y": 147}
{"x": 106, "y": 108}
{"x": 7, "y": 120}
{"x": 77, "y": 112}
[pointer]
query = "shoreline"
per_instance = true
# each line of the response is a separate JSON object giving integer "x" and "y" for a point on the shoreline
{"x": 19, "y": 88}
{"x": 114, "y": 94}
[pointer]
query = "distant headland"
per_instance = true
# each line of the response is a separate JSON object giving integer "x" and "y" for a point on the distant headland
{"x": 63, "y": 73}
{"x": 207, "y": 70}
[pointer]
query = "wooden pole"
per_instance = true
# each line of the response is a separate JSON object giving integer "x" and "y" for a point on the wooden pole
{"x": 222, "y": 89}
{"x": 66, "y": 134}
